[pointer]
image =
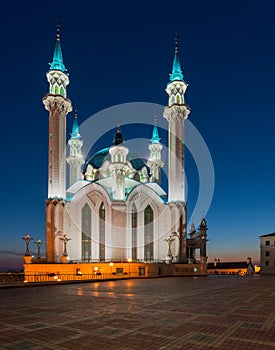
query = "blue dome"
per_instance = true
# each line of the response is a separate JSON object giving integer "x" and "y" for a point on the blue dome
{"x": 99, "y": 158}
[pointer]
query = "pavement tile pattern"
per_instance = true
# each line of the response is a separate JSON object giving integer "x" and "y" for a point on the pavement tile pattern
{"x": 213, "y": 312}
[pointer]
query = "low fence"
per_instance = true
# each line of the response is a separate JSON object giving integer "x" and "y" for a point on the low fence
{"x": 52, "y": 277}
{"x": 9, "y": 278}
{"x": 17, "y": 279}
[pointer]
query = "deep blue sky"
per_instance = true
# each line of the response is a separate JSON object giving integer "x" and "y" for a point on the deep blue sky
{"x": 119, "y": 52}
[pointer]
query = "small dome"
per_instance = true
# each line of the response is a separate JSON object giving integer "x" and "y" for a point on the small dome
{"x": 98, "y": 158}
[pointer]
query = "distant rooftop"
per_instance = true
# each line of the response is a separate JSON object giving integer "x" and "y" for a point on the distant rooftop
{"x": 228, "y": 265}
{"x": 269, "y": 235}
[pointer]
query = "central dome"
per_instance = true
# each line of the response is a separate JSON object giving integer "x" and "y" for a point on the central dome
{"x": 101, "y": 156}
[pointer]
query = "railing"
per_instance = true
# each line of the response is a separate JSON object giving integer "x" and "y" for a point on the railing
{"x": 54, "y": 277}
{"x": 11, "y": 277}
{"x": 98, "y": 261}
{"x": 17, "y": 279}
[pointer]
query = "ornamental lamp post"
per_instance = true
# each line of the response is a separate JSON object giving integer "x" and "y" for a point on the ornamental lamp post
{"x": 65, "y": 239}
{"x": 27, "y": 257}
{"x": 169, "y": 241}
{"x": 27, "y": 240}
{"x": 38, "y": 243}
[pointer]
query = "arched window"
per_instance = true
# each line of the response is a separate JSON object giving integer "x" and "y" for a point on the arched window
{"x": 134, "y": 233}
{"x": 56, "y": 89}
{"x": 102, "y": 232}
{"x": 62, "y": 91}
{"x": 86, "y": 242}
{"x": 148, "y": 234}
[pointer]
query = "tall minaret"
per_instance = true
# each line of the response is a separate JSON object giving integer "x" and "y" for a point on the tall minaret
{"x": 154, "y": 162}
{"x": 76, "y": 159}
{"x": 58, "y": 105}
{"x": 175, "y": 113}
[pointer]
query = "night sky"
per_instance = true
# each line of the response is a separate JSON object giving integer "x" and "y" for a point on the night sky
{"x": 122, "y": 52}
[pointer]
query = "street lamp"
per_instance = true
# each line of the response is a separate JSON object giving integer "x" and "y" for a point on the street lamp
{"x": 38, "y": 243}
{"x": 65, "y": 240}
{"x": 111, "y": 265}
{"x": 129, "y": 270}
{"x": 169, "y": 241}
{"x": 27, "y": 240}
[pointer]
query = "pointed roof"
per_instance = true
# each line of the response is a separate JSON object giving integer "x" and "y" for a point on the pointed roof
{"x": 176, "y": 70}
{"x": 118, "y": 138}
{"x": 57, "y": 63}
{"x": 155, "y": 136}
{"x": 203, "y": 223}
{"x": 75, "y": 131}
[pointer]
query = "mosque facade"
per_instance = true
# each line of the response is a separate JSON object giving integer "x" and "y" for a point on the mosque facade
{"x": 114, "y": 208}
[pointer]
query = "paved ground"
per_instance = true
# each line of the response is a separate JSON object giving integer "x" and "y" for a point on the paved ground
{"x": 214, "y": 312}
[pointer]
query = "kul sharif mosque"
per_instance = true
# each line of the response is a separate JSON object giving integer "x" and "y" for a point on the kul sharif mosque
{"x": 114, "y": 208}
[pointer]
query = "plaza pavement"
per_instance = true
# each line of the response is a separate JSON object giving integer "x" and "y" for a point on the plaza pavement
{"x": 214, "y": 312}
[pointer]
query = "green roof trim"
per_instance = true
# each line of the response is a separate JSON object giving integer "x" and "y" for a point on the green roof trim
{"x": 155, "y": 137}
{"x": 75, "y": 131}
{"x": 57, "y": 63}
{"x": 176, "y": 71}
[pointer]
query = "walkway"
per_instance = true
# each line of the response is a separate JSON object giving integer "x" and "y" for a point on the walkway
{"x": 214, "y": 312}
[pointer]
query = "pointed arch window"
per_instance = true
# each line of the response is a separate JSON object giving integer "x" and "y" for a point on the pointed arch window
{"x": 62, "y": 91}
{"x": 56, "y": 90}
{"x": 102, "y": 232}
{"x": 134, "y": 233}
{"x": 148, "y": 234}
{"x": 86, "y": 242}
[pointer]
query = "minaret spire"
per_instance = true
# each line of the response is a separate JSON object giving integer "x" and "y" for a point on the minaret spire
{"x": 76, "y": 158}
{"x": 176, "y": 70}
{"x": 75, "y": 130}
{"x": 57, "y": 63}
{"x": 155, "y": 136}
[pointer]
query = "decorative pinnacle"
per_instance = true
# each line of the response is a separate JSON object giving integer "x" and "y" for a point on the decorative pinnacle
{"x": 118, "y": 139}
{"x": 75, "y": 111}
{"x": 58, "y": 26}
{"x": 155, "y": 118}
{"x": 176, "y": 43}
